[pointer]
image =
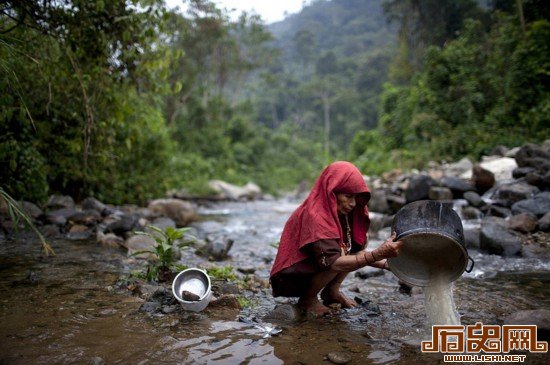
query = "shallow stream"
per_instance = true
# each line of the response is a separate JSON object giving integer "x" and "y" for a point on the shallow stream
{"x": 68, "y": 309}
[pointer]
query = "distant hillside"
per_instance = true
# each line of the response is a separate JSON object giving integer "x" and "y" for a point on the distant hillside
{"x": 346, "y": 27}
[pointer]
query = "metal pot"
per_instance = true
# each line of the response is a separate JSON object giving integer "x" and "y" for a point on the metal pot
{"x": 195, "y": 283}
{"x": 433, "y": 246}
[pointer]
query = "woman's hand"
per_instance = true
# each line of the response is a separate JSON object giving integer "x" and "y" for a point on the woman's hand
{"x": 389, "y": 248}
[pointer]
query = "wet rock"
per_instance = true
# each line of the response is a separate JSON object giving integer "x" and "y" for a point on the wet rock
{"x": 537, "y": 205}
{"x": 87, "y": 217}
{"x": 520, "y": 172}
{"x": 378, "y": 202}
{"x": 80, "y": 235}
{"x": 496, "y": 239}
{"x": 163, "y": 223}
{"x": 471, "y": 237}
{"x": 440, "y": 193}
{"x": 538, "y": 317}
{"x": 499, "y": 151}
{"x": 368, "y": 272}
{"x": 284, "y": 313}
{"x": 512, "y": 193}
{"x": 59, "y": 217}
{"x": 229, "y": 301}
{"x": 56, "y": 202}
{"x": 50, "y": 230}
{"x": 31, "y": 209}
{"x": 163, "y": 295}
{"x": 371, "y": 308}
{"x": 96, "y": 361}
{"x": 150, "y": 307}
{"x": 522, "y": 222}
{"x": 125, "y": 224}
{"x": 248, "y": 270}
{"x": 109, "y": 240}
{"x": 217, "y": 249}
{"x": 496, "y": 211}
{"x": 474, "y": 199}
{"x": 339, "y": 357}
{"x": 77, "y": 228}
{"x": 459, "y": 167}
{"x": 180, "y": 211}
{"x": 535, "y": 156}
{"x": 544, "y": 223}
{"x": 471, "y": 213}
{"x": 167, "y": 309}
{"x": 418, "y": 188}
{"x": 457, "y": 185}
{"x": 229, "y": 288}
{"x": 140, "y": 243}
{"x": 94, "y": 204}
{"x": 482, "y": 179}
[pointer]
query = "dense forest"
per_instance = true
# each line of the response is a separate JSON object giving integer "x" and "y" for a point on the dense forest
{"x": 123, "y": 100}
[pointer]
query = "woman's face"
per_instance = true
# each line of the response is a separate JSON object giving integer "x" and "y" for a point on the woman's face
{"x": 346, "y": 203}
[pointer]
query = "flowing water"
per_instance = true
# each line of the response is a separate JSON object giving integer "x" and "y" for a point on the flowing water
{"x": 440, "y": 304}
{"x": 73, "y": 307}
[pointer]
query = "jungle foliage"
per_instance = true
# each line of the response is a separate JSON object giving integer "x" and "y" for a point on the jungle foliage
{"x": 125, "y": 99}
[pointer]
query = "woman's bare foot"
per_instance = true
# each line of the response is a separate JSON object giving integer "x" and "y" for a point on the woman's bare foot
{"x": 335, "y": 296}
{"x": 313, "y": 306}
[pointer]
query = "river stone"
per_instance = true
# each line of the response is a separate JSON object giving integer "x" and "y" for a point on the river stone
{"x": 501, "y": 167}
{"x": 482, "y": 179}
{"x": 496, "y": 239}
{"x": 96, "y": 361}
{"x": 233, "y": 192}
{"x": 522, "y": 222}
{"x": 59, "y": 217}
{"x": 60, "y": 202}
{"x": 93, "y": 204}
{"x": 140, "y": 243}
{"x": 216, "y": 248}
{"x": 512, "y": 193}
{"x": 284, "y": 313}
{"x": 471, "y": 237}
{"x": 180, "y": 211}
{"x": 499, "y": 151}
{"x": 50, "y": 230}
{"x": 339, "y": 357}
{"x": 418, "y": 188}
{"x": 88, "y": 217}
{"x": 440, "y": 193}
{"x": 378, "y": 202}
{"x": 150, "y": 307}
{"x": 522, "y": 172}
{"x": 459, "y": 167}
{"x": 473, "y": 199}
{"x": 544, "y": 223}
{"x": 396, "y": 202}
{"x": 125, "y": 224}
{"x": 109, "y": 240}
{"x": 533, "y": 156}
{"x": 538, "y": 205}
{"x": 538, "y": 317}
{"x": 229, "y": 301}
{"x": 496, "y": 211}
{"x": 80, "y": 235}
{"x": 457, "y": 185}
{"x": 471, "y": 213}
{"x": 31, "y": 209}
{"x": 163, "y": 223}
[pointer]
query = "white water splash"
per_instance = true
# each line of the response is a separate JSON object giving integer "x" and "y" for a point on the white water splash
{"x": 439, "y": 302}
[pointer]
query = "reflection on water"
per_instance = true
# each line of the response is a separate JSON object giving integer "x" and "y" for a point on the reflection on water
{"x": 67, "y": 309}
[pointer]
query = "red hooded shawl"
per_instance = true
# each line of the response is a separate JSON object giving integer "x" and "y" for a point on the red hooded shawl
{"x": 317, "y": 217}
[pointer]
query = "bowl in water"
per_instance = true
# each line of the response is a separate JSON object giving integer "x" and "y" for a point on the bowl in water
{"x": 192, "y": 288}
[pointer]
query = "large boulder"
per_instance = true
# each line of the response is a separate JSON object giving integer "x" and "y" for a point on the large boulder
{"x": 531, "y": 155}
{"x": 31, "y": 209}
{"x": 180, "y": 211}
{"x": 458, "y": 168}
{"x": 59, "y": 202}
{"x": 378, "y": 202}
{"x": 457, "y": 185}
{"x": 126, "y": 223}
{"x": 482, "y": 179}
{"x": 538, "y": 205}
{"x": 496, "y": 239}
{"x": 419, "y": 187}
{"x": 509, "y": 194}
{"x": 234, "y": 192}
{"x": 522, "y": 222}
{"x": 544, "y": 223}
{"x": 94, "y": 204}
{"x": 501, "y": 167}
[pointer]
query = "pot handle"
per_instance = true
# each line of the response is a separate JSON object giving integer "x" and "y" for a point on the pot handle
{"x": 471, "y": 266}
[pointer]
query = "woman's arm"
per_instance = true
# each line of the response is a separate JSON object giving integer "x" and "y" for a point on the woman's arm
{"x": 389, "y": 248}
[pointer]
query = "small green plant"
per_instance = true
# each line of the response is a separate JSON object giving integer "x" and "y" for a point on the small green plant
{"x": 163, "y": 252}
{"x": 245, "y": 302}
{"x": 222, "y": 273}
{"x": 16, "y": 214}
